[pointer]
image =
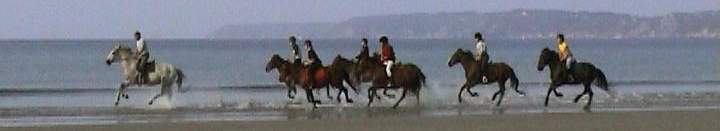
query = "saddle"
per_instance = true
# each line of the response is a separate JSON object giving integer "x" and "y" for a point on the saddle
{"x": 568, "y": 73}
{"x": 149, "y": 66}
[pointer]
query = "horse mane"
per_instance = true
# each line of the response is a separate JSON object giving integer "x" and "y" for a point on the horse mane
{"x": 123, "y": 47}
{"x": 339, "y": 57}
{"x": 548, "y": 50}
{"x": 464, "y": 52}
{"x": 280, "y": 58}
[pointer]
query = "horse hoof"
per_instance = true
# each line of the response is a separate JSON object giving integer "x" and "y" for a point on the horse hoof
{"x": 349, "y": 101}
{"x": 150, "y": 103}
{"x": 474, "y": 94}
{"x": 559, "y": 95}
{"x": 116, "y": 103}
{"x": 521, "y": 93}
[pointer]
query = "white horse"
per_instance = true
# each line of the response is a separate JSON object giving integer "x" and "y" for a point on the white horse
{"x": 164, "y": 74}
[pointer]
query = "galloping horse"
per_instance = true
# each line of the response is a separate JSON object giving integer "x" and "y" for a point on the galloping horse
{"x": 366, "y": 76}
{"x": 294, "y": 75}
{"x": 164, "y": 74}
{"x": 584, "y": 73}
{"x": 406, "y": 76}
{"x": 496, "y": 72}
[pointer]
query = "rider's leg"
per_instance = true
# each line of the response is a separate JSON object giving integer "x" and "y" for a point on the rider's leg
{"x": 388, "y": 71}
{"x": 140, "y": 66}
{"x": 569, "y": 65}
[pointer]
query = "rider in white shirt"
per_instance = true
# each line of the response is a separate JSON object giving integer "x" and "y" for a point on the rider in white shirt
{"x": 142, "y": 51}
{"x": 481, "y": 55}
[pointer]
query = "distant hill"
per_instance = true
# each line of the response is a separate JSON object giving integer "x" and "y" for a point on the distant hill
{"x": 516, "y": 24}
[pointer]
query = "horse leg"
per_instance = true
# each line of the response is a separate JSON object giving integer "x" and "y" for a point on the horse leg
{"x": 120, "y": 92}
{"x": 347, "y": 98}
{"x": 590, "y": 94}
{"x": 547, "y": 96}
{"x": 577, "y": 98}
{"x": 502, "y": 93}
{"x": 328, "y": 93}
{"x": 154, "y": 97}
{"x": 291, "y": 91}
{"x": 500, "y": 89}
{"x": 557, "y": 94}
{"x": 460, "y": 93}
{"x": 467, "y": 89}
{"x": 417, "y": 96}
{"x": 385, "y": 92}
{"x": 340, "y": 88}
{"x": 402, "y": 97}
{"x": 311, "y": 97}
{"x": 371, "y": 92}
{"x": 164, "y": 90}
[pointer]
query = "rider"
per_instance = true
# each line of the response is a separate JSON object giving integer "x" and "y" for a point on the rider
{"x": 295, "y": 51}
{"x": 144, "y": 54}
{"x": 313, "y": 61}
{"x": 481, "y": 55}
{"x": 364, "y": 52}
{"x": 387, "y": 56}
{"x": 565, "y": 55}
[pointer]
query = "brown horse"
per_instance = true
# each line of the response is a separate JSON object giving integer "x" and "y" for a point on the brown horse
{"x": 294, "y": 75}
{"x": 496, "y": 73}
{"x": 584, "y": 73}
{"x": 406, "y": 76}
{"x": 366, "y": 76}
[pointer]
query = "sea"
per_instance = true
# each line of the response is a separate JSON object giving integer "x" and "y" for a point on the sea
{"x": 66, "y": 82}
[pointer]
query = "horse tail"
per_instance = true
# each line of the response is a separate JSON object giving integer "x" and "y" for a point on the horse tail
{"x": 179, "y": 80}
{"x": 600, "y": 80}
{"x": 423, "y": 80}
{"x": 514, "y": 80}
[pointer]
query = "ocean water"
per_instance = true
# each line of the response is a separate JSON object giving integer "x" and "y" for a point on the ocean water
{"x": 46, "y": 82}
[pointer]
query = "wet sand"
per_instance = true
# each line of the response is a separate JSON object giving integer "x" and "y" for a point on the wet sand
{"x": 643, "y": 120}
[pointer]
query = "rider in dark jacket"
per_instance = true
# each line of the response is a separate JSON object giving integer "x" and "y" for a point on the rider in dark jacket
{"x": 364, "y": 52}
{"x": 313, "y": 62}
{"x": 295, "y": 51}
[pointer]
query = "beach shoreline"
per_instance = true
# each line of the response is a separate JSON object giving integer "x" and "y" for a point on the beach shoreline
{"x": 632, "y": 120}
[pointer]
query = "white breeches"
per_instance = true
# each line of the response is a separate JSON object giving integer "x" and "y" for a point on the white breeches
{"x": 388, "y": 65}
{"x": 569, "y": 61}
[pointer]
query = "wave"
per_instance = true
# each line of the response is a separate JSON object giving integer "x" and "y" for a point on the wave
{"x": 18, "y": 90}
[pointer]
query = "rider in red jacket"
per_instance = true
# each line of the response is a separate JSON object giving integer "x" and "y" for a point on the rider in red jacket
{"x": 387, "y": 55}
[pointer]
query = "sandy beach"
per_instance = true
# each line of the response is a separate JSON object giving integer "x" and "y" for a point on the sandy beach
{"x": 644, "y": 120}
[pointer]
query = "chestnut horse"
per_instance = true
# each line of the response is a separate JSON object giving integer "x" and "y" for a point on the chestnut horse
{"x": 406, "y": 76}
{"x": 295, "y": 75}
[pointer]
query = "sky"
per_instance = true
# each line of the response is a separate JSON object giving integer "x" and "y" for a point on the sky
{"x": 166, "y": 19}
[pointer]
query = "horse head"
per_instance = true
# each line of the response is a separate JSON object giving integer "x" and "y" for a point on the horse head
{"x": 339, "y": 60}
{"x": 274, "y": 63}
{"x": 546, "y": 57}
{"x": 457, "y": 57}
{"x": 118, "y": 52}
{"x": 366, "y": 63}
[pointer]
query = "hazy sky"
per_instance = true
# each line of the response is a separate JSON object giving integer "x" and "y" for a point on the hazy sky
{"x": 71, "y": 19}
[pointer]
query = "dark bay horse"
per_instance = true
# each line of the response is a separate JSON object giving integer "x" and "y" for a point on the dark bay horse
{"x": 408, "y": 77}
{"x": 496, "y": 73}
{"x": 295, "y": 75}
{"x": 584, "y": 73}
{"x": 366, "y": 76}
